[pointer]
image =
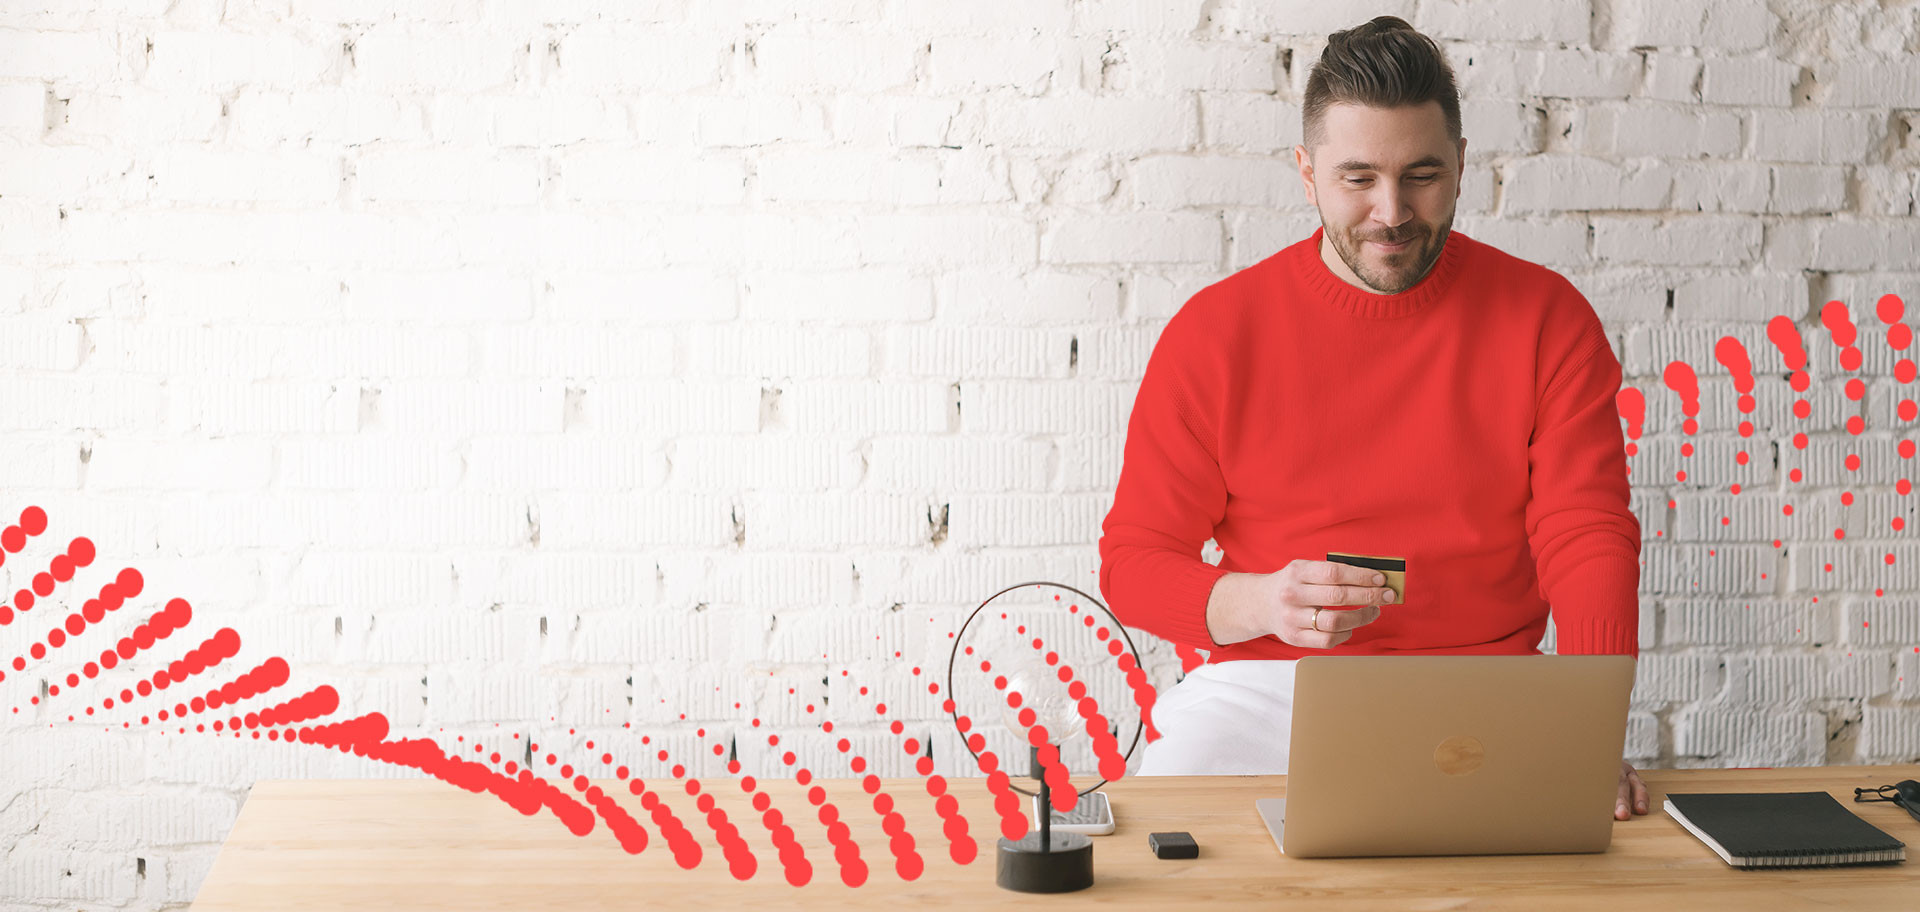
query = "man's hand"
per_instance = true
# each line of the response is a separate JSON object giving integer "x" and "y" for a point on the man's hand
{"x": 1632, "y": 792}
{"x": 1248, "y": 605}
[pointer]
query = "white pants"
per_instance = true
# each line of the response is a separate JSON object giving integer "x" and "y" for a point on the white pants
{"x": 1230, "y": 718}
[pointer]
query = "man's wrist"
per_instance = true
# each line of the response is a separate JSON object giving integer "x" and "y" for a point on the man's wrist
{"x": 1233, "y": 609}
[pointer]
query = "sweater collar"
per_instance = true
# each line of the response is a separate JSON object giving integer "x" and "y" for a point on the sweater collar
{"x": 1356, "y": 302}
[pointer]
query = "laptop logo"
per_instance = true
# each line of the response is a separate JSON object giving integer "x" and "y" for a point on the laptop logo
{"x": 1459, "y": 755}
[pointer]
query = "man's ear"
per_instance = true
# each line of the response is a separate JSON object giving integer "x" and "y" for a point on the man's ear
{"x": 1304, "y": 161}
{"x": 1462, "y": 182}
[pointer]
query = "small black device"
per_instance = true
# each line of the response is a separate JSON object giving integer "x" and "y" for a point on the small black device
{"x": 1173, "y": 845}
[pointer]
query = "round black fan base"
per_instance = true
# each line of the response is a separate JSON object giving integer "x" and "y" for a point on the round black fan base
{"x": 1065, "y": 865}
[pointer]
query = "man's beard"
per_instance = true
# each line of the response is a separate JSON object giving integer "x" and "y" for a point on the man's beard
{"x": 1391, "y": 280}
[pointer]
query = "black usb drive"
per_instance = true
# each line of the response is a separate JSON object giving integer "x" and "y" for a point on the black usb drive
{"x": 1173, "y": 845}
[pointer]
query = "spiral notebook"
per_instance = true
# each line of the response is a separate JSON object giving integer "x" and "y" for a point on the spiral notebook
{"x": 1783, "y": 829}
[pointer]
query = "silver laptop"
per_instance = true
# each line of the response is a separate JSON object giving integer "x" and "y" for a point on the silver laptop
{"x": 1452, "y": 755}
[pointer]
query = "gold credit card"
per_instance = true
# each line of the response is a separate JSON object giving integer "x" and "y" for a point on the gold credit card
{"x": 1394, "y": 567}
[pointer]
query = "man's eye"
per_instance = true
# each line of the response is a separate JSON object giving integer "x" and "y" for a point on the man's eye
{"x": 1422, "y": 178}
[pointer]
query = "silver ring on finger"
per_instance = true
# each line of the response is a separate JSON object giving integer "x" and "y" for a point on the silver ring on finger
{"x": 1316, "y": 621}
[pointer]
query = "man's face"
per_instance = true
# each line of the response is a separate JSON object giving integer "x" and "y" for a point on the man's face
{"x": 1384, "y": 175}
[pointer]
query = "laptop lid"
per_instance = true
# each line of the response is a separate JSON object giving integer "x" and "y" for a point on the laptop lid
{"x": 1454, "y": 755}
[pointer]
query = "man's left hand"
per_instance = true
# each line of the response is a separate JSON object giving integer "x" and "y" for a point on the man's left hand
{"x": 1633, "y": 793}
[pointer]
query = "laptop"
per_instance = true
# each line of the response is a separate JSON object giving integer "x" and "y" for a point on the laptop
{"x": 1452, "y": 755}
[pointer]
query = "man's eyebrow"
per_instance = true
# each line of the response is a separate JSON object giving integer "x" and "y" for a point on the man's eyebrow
{"x": 1431, "y": 161}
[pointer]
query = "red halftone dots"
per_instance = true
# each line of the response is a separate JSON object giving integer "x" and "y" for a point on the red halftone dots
{"x": 793, "y": 860}
{"x": 1632, "y": 405}
{"x": 906, "y": 859}
{"x": 1839, "y": 322}
{"x": 740, "y": 861}
{"x": 59, "y": 570}
{"x": 160, "y": 626}
{"x": 1899, "y": 336}
{"x": 960, "y": 844}
{"x": 686, "y": 850}
{"x": 626, "y": 831}
{"x": 110, "y": 598}
{"x": 1680, "y": 378}
{"x": 1106, "y": 748}
{"x": 364, "y": 736}
{"x": 1143, "y": 692}
{"x": 264, "y": 677}
{"x": 316, "y": 703}
{"x": 1785, "y": 336}
{"x": 1013, "y": 823}
{"x": 1190, "y": 658}
{"x": 1052, "y": 769}
{"x": 33, "y": 521}
{"x": 125, "y": 586}
{"x": 1733, "y": 355}
{"x": 223, "y": 645}
{"x": 846, "y": 852}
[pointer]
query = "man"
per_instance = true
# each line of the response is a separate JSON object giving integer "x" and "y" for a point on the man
{"x": 1384, "y": 387}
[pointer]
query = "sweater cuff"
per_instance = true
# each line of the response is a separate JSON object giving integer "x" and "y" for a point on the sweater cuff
{"x": 1185, "y": 620}
{"x": 1598, "y": 609}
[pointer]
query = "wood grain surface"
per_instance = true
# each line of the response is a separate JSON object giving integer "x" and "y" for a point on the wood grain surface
{"x": 424, "y": 845}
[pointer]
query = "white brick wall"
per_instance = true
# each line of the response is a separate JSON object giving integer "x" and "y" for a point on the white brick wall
{"x": 514, "y": 364}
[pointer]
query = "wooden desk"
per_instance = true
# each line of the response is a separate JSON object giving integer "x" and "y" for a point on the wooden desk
{"x": 420, "y": 844}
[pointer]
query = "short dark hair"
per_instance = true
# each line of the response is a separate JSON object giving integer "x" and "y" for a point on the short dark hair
{"x": 1383, "y": 63}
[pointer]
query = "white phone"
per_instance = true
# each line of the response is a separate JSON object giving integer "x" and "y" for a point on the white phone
{"x": 1092, "y": 815}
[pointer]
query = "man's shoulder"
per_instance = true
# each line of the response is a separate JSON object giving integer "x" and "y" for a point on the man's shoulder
{"x": 1226, "y": 305}
{"x": 1524, "y": 284}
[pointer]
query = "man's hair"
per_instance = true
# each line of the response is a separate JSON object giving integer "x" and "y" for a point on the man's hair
{"x": 1384, "y": 63}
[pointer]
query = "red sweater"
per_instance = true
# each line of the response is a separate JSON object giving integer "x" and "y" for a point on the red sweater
{"x": 1466, "y": 424}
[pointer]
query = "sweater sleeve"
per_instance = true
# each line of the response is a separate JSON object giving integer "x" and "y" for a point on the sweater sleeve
{"x": 1170, "y": 495}
{"x": 1580, "y": 524}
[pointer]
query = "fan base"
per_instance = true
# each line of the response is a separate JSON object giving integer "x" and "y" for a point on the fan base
{"x": 1065, "y": 865}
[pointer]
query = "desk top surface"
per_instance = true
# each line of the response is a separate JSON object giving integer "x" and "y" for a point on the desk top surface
{"x": 422, "y": 844}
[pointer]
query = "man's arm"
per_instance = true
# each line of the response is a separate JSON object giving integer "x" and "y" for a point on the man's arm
{"x": 1580, "y": 524}
{"x": 1170, "y": 495}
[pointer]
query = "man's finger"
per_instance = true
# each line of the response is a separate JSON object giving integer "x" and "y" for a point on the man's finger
{"x": 1327, "y": 596}
{"x": 1307, "y": 639}
{"x": 1331, "y": 573}
{"x": 1620, "y": 811}
{"x": 1639, "y": 792}
{"x": 1339, "y": 619}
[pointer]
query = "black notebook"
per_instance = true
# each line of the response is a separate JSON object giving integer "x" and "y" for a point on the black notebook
{"x": 1783, "y": 829}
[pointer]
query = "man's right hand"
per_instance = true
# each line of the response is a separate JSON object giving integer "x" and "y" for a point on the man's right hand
{"x": 1248, "y": 605}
